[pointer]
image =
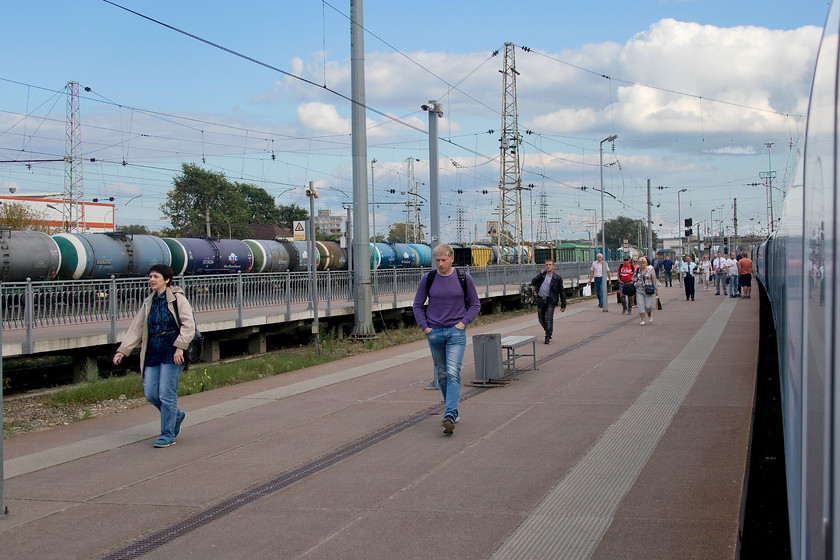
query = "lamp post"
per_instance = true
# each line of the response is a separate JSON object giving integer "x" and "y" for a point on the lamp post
{"x": 603, "y": 235}
{"x": 679, "y": 219}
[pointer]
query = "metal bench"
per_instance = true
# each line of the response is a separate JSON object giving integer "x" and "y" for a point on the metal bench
{"x": 511, "y": 343}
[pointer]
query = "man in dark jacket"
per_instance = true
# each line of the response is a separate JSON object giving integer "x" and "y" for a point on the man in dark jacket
{"x": 549, "y": 287}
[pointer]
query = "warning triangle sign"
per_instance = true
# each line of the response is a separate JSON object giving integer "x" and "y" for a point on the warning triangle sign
{"x": 298, "y": 226}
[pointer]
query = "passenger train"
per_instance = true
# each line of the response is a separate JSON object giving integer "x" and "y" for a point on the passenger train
{"x": 798, "y": 267}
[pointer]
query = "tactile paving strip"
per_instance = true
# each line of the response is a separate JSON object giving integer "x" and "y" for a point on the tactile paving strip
{"x": 576, "y": 513}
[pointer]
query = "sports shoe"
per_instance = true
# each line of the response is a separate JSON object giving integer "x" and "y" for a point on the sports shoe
{"x": 457, "y": 417}
{"x": 548, "y": 340}
{"x": 650, "y": 320}
{"x": 164, "y": 443}
{"x": 642, "y": 323}
{"x": 178, "y": 423}
{"x": 448, "y": 426}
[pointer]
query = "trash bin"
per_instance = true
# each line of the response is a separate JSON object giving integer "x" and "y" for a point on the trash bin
{"x": 487, "y": 350}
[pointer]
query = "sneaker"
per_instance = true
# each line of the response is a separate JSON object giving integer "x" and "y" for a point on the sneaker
{"x": 650, "y": 320}
{"x": 642, "y": 323}
{"x": 448, "y": 425}
{"x": 548, "y": 340}
{"x": 178, "y": 423}
{"x": 164, "y": 443}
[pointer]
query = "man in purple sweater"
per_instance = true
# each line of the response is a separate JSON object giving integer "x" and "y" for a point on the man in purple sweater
{"x": 453, "y": 304}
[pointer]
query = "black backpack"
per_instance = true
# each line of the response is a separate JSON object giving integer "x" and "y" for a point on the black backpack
{"x": 462, "y": 278}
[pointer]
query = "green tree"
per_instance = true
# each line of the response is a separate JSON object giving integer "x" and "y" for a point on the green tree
{"x": 289, "y": 214}
{"x": 400, "y": 233}
{"x": 204, "y": 203}
{"x": 621, "y": 228}
{"x": 136, "y": 229}
{"x": 259, "y": 205}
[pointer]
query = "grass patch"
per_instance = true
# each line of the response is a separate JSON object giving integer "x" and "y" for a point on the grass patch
{"x": 205, "y": 377}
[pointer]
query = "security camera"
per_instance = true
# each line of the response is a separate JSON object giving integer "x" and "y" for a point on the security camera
{"x": 427, "y": 107}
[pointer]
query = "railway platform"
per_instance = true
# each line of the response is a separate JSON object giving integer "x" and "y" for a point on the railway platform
{"x": 627, "y": 441}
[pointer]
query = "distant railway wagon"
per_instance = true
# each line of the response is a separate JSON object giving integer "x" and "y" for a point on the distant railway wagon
{"x": 573, "y": 252}
{"x": 28, "y": 254}
{"x": 75, "y": 256}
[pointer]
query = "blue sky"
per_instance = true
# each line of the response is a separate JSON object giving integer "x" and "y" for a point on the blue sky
{"x": 695, "y": 90}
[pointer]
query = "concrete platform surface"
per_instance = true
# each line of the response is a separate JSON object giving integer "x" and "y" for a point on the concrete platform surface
{"x": 628, "y": 441}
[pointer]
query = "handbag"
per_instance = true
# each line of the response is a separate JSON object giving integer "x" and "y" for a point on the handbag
{"x": 658, "y": 304}
{"x": 650, "y": 290}
{"x": 193, "y": 352}
{"x": 628, "y": 289}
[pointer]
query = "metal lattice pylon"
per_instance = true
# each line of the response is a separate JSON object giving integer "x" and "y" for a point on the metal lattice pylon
{"x": 510, "y": 182}
{"x": 73, "y": 215}
{"x": 412, "y": 207}
{"x": 542, "y": 225}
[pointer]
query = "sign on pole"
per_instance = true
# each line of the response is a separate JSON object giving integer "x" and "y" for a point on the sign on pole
{"x": 300, "y": 230}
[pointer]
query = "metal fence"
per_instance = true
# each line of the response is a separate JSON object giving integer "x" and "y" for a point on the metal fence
{"x": 37, "y": 304}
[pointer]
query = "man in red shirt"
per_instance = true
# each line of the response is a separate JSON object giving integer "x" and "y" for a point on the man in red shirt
{"x": 745, "y": 266}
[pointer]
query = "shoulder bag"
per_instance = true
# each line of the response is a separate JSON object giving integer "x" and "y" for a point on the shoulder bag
{"x": 193, "y": 352}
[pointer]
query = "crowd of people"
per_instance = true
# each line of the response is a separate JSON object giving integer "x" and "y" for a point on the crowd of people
{"x": 639, "y": 280}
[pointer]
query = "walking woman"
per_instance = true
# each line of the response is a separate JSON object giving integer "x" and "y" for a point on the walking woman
{"x": 162, "y": 343}
{"x": 706, "y": 273}
{"x": 647, "y": 290}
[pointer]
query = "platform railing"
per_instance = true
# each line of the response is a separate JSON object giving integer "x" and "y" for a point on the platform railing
{"x": 33, "y": 304}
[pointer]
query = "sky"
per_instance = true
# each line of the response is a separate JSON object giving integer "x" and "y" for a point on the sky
{"x": 694, "y": 90}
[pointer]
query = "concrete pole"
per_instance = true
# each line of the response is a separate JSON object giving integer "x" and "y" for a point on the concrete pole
{"x": 363, "y": 306}
{"x": 3, "y": 510}
{"x": 649, "y": 223}
{"x": 605, "y": 299}
{"x": 435, "y": 112}
{"x": 313, "y": 269}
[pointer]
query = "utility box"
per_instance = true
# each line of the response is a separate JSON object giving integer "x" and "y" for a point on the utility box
{"x": 487, "y": 350}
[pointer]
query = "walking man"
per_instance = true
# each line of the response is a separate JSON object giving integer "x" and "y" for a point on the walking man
{"x": 625, "y": 278}
{"x": 719, "y": 266}
{"x": 689, "y": 270}
{"x": 549, "y": 290}
{"x": 667, "y": 265}
{"x": 453, "y": 304}
{"x": 596, "y": 272}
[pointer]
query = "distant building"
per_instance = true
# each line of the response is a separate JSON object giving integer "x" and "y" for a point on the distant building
{"x": 330, "y": 223}
{"x": 270, "y": 231}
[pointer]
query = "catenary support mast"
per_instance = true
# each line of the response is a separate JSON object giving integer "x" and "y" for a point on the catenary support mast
{"x": 510, "y": 201}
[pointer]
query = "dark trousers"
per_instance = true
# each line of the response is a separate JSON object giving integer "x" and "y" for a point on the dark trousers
{"x": 689, "y": 287}
{"x": 668, "y": 281}
{"x": 545, "y": 313}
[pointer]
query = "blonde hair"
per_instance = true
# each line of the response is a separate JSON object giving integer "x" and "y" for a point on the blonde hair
{"x": 443, "y": 250}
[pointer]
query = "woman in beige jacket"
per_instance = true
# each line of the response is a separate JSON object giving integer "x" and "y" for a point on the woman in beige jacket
{"x": 162, "y": 343}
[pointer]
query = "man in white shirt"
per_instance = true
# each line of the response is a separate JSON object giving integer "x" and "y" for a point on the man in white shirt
{"x": 732, "y": 272}
{"x": 719, "y": 270}
{"x": 596, "y": 272}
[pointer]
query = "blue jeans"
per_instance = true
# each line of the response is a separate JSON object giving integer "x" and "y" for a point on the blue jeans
{"x": 448, "y": 345}
{"x": 596, "y": 285}
{"x": 160, "y": 386}
{"x": 733, "y": 286}
{"x": 545, "y": 314}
